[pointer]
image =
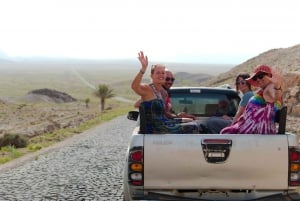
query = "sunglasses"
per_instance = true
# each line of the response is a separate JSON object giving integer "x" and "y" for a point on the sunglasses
{"x": 172, "y": 79}
{"x": 243, "y": 82}
{"x": 259, "y": 76}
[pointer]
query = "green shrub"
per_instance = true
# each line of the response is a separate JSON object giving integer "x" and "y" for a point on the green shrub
{"x": 8, "y": 153}
{"x": 4, "y": 159}
{"x": 34, "y": 147}
{"x": 15, "y": 140}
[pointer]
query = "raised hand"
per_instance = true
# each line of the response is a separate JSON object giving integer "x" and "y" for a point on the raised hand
{"x": 276, "y": 78}
{"x": 143, "y": 59}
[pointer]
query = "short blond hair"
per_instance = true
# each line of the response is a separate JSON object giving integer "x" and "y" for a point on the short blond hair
{"x": 153, "y": 67}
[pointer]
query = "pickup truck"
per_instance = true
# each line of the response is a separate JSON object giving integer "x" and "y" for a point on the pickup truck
{"x": 210, "y": 166}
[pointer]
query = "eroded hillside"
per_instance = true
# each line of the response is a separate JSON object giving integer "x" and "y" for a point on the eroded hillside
{"x": 288, "y": 59}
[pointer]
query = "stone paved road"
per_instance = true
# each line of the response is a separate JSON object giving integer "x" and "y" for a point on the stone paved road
{"x": 90, "y": 168}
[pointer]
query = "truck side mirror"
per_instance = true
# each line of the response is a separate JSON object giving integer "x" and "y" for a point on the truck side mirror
{"x": 133, "y": 115}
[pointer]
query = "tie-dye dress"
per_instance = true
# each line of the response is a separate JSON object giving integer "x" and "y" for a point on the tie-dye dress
{"x": 258, "y": 117}
{"x": 157, "y": 123}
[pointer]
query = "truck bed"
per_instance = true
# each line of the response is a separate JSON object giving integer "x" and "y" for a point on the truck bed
{"x": 239, "y": 161}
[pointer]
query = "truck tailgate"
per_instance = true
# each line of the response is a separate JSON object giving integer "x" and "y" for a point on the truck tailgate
{"x": 175, "y": 161}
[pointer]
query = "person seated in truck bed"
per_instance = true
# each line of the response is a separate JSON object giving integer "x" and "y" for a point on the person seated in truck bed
{"x": 169, "y": 113}
{"x": 245, "y": 89}
{"x": 220, "y": 119}
{"x": 216, "y": 123}
{"x": 166, "y": 87}
{"x": 153, "y": 103}
{"x": 259, "y": 114}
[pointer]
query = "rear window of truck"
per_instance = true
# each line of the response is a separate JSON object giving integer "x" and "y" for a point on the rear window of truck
{"x": 205, "y": 103}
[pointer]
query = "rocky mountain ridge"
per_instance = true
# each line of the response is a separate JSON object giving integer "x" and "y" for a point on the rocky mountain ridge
{"x": 288, "y": 59}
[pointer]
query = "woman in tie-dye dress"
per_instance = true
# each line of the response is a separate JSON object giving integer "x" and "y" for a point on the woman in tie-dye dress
{"x": 259, "y": 114}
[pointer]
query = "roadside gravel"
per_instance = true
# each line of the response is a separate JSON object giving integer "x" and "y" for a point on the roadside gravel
{"x": 88, "y": 166}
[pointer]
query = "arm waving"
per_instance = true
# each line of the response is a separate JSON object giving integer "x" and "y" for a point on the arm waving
{"x": 273, "y": 92}
{"x": 136, "y": 84}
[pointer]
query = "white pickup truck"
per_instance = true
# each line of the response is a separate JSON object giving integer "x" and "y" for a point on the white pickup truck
{"x": 210, "y": 166}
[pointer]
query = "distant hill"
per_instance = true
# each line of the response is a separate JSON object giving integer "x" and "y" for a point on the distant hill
{"x": 190, "y": 79}
{"x": 288, "y": 59}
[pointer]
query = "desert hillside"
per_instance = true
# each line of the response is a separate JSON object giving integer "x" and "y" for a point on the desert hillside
{"x": 288, "y": 59}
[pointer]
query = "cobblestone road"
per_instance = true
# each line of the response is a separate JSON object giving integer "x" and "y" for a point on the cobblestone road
{"x": 91, "y": 168}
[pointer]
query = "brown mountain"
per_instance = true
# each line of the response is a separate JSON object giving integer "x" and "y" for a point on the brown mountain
{"x": 288, "y": 59}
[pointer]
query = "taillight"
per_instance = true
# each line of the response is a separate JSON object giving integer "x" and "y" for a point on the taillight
{"x": 136, "y": 155}
{"x": 136, "y": 166}
{"x": 136, "y": 176}
{"x": 294, "y": 167}
{"x": 294, "y": 155}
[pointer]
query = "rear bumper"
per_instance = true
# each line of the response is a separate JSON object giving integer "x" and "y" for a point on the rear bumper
{"x": 217, "y": 196}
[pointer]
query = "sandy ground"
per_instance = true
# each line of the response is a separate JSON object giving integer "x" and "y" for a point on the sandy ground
{"x": 35, "y": 118}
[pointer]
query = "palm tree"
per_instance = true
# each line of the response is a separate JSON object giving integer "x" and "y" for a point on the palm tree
{"x": 87, "y": 101}
{"x": 103, "y": 93}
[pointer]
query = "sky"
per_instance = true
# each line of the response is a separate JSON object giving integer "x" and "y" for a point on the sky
{"x": 206, "y": 31}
